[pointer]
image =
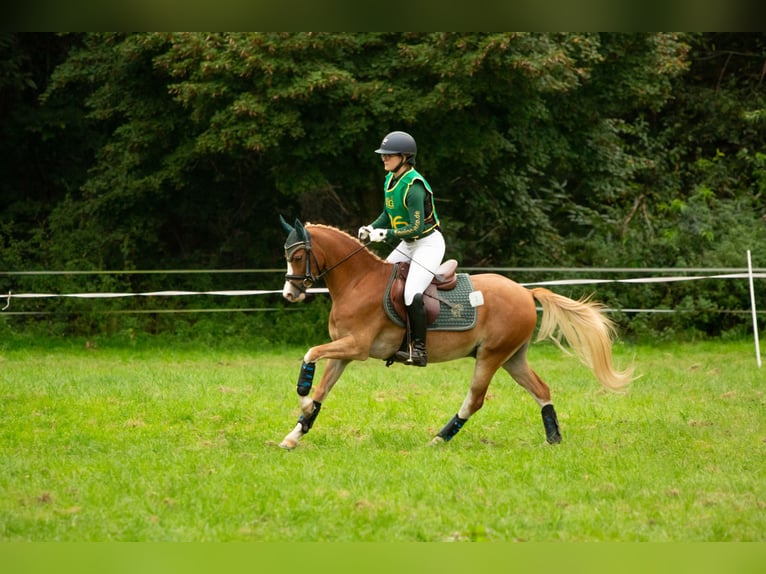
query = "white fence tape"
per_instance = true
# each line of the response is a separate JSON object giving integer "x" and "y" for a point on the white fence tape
{"x": 667, "y": 279}
{"x": 750, "y": 275}
{"x": 146, "y": 294}
{"x": 239, "y": 293}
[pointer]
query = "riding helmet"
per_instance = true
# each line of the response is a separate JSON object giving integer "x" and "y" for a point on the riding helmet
{"x": 399, "y": 143}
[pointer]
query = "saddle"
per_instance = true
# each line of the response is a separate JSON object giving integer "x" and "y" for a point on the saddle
{"x": 444, "y": 280}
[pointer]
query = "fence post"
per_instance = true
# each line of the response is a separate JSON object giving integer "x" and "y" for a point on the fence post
{"x": 752, "y": 306}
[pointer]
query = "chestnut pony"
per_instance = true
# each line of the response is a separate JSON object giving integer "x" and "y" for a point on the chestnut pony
{"x": 356, "y": 279}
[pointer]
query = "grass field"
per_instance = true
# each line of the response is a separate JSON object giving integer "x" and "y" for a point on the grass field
{"x": 177, "y": 443}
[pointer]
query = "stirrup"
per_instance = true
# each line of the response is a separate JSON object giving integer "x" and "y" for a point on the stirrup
{"x": 416, "y": 357}
{"x": 398, "y": 357}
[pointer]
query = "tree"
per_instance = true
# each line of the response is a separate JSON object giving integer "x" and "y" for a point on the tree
{"x": 41, "y": 149}
{"x": 212, "y": 134}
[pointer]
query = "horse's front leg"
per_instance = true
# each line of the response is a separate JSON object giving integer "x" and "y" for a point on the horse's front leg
{"x": 339, "y": 354}
{"x": 310, "y": 406}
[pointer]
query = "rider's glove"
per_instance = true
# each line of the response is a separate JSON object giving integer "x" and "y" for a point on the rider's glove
{"x": 377, "y": 235}
{"x": 364, "y": 232}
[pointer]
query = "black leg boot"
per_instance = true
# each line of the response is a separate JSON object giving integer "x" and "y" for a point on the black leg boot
{"x": 416, "y": 323}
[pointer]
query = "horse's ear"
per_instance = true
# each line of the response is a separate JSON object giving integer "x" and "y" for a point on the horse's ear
{"x": 300, "y": 229}
{"x": 286, "y": 226}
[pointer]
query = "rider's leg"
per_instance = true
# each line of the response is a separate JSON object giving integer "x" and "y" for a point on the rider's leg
{"x": 426, "y": 255}
{"x": 416, "y": 323}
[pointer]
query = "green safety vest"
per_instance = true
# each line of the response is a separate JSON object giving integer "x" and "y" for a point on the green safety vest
{"x": 396, "y": 202}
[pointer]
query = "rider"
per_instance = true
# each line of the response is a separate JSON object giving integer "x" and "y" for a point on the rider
{"x": 409, "y": 215}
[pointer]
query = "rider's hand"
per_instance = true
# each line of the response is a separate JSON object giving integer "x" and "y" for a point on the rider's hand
{"x": 377, "y": 235}
{"x": 364, "y": 232}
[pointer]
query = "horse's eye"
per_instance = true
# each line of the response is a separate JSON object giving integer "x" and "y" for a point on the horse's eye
{"x": 298, "y": 258}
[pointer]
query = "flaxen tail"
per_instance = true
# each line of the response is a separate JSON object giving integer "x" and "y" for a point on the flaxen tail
{"x": 586, "y": 329}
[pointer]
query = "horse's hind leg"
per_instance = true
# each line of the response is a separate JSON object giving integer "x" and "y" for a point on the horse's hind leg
{"x": 518, "y": 367}
{"x": 482, "y": 375}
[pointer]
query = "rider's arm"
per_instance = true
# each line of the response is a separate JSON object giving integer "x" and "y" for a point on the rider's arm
{"x": 382, "y": 221}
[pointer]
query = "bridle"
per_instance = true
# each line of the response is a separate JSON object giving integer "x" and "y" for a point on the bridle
{"x": 304, "y": 282}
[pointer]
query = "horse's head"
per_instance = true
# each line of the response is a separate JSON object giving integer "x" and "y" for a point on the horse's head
{"x": 298, "y": 255}
{"x": 318, "y": 259}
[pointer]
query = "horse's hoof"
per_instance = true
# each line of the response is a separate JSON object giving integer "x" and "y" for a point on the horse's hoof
{"x": 288, "y": 444}
{"x": 437, "y": 441}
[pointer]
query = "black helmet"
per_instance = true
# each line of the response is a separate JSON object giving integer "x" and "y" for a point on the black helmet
{"x": 398, "y": 142}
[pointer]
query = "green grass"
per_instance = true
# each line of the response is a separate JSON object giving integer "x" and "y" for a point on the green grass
{"x": 180, "y": 444}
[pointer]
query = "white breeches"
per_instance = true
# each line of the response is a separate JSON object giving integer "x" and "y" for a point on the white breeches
{"x": 424, "y": 255}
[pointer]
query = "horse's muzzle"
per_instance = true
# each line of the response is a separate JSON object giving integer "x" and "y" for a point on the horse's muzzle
{"x": 293, "y": 293}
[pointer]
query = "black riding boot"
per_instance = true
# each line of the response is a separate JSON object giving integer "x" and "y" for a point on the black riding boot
{"x": 416, "y": 322}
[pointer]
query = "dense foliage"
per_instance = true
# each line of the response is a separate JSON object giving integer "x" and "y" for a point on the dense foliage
{"x": 172, "y": 151}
